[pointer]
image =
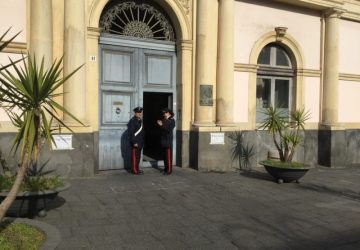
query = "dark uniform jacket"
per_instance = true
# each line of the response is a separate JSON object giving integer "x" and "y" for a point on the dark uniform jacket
{"x": 133, "y": 127}
{"x": 167, "y": 132}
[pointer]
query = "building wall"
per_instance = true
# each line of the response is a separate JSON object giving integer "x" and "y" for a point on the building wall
{"x": 349, "y": 64}
{"x": 252, "y": 22}
{"x": 305, "y": 22}
{"x": 13, "y": 14}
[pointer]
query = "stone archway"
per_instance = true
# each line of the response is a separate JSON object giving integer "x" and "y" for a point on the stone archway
{"x": 181, "y": 20}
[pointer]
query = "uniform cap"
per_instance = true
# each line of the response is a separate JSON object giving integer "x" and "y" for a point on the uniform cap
{"x": 166, "y": 110}
{"x": 138, "y": 109}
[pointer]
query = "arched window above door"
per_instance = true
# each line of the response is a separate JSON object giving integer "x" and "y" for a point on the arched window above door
{"x": 275, "y": 80}
{"x": 136, "y": 19}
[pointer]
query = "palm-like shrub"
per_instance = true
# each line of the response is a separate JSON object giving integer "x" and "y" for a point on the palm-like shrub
{"x": 285, "y": 129}
{"x": 28, "y": 98}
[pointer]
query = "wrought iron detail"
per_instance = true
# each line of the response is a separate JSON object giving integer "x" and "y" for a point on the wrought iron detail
{"x": 139, "y": 20}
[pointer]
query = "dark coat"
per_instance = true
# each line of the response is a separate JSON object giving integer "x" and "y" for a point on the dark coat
{"x": 133, "y": 126}
{"x": 167, "y": 132}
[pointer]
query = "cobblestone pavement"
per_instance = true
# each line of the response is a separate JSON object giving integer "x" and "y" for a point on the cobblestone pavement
{"x": 197, "y": 210}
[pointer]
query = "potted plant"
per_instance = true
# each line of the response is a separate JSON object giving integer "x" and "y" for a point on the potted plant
{"x": 285, "y": 128}
{"x": 27, "y": 96}
{"x": 37, "y": 190}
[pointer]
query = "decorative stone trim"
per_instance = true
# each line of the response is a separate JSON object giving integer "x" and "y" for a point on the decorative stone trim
{"x": 280, "y": 33}
{"x": 186, "y": 5}
{"x": 93, "y": 32}
{"x": 241, "y": 67}
{"x": 16, "y": 48}
{"x": 186, "y": 44}
{"x": 349, "y": 77}
{"x": 308, "y": 72}
{"x": 334, "y": 12}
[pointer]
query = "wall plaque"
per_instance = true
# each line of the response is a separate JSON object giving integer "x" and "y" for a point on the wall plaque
{"x": 62, "y": 142}
{"x": 206, "y": 95}
{"x": 217, "y": 138}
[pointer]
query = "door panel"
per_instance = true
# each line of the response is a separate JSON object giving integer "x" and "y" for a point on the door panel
{"x": 116, "y": 108}
{"x": 159, "y": 70}
{"x": 117, "y": 67}
{"x": 111, "y": 149}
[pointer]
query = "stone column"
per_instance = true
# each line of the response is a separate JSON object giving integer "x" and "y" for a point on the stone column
{"x": 185, "y": 76}
{"x": 332, "y": 138}
{"x": 41, "y": 40}
{"x": 58, "y": 42}
{"x": 331, "y": 68}
{"x": 184, "y": 98}
{"x": 225, "y": 64}
{"x": 206, "y": 52}
{"x": 74, "y": 56}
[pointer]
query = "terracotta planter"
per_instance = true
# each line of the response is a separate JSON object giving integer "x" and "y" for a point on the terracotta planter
{"x": 29, "y": 204}
{"x": 285, "y": 174}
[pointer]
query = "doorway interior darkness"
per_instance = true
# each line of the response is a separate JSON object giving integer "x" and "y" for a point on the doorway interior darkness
{"x": 153, "y": 103}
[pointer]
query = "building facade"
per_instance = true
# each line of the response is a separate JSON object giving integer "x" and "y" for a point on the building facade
{"x": 216, "y": 63}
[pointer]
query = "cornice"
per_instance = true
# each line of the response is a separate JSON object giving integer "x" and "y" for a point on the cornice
{"x": 349, "y": 77}
{"x": 16, "y": 48}
{"x": 315, "y": 4}
{"x": 334, "y": 12}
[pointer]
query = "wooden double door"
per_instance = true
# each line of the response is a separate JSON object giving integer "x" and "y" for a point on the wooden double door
{"x": 133, "y": 73}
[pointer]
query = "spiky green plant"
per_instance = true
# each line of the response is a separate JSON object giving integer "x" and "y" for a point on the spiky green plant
{"x": 285, "y": 129}
{"x": 28, "y": 98}
{"x": 4, "y": 44}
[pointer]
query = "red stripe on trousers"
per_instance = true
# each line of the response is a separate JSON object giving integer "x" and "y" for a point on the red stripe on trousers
{"x": 134, "y": 161}
{"x": 169, "y": 160}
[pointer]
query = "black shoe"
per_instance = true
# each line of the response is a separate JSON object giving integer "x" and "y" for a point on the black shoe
{"x": 141, "y": 172}
{"x": 165, "y": 173}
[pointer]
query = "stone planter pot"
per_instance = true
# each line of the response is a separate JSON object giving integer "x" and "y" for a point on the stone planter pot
{"x": 285, "y": 174}
{"x": 30, "y": 204}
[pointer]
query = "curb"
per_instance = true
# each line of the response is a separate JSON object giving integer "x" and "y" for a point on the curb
{"x": 53, "y": 236}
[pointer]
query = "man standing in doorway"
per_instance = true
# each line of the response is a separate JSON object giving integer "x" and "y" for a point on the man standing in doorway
{"x": 136, "y": 134}
{"x": 167, "y": 125}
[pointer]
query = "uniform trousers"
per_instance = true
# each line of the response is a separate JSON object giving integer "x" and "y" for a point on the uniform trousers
{"x": 135, "y": 159}
{"x": 167, "y": 160}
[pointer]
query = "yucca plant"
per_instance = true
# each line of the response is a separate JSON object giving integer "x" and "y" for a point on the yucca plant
{"x": 4, "y": 44}
{"x": 28, "y": 98}
{"x": 285, "y": 129}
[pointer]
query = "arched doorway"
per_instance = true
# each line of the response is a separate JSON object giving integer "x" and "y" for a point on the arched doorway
{"x": 137, "y": 68}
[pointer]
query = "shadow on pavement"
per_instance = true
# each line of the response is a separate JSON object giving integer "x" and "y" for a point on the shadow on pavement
{"x": 255, "y": 174}
{"x": 330, "y": 190}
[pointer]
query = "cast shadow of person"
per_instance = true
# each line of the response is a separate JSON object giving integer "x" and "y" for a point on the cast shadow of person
{"x": 126, "y": 150}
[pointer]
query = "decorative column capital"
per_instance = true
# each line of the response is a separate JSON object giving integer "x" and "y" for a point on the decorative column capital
{"x": 333, "y": 12}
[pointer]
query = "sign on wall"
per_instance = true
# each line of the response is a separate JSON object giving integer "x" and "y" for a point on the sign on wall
{"x": 206, "y": 95}
{"x": 62, "y": 142}
{"x": 217, "y": 138}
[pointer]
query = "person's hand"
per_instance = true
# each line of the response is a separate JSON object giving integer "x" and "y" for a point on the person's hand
{"x": 159, "y": 122}
{"x": 135, "y": 145}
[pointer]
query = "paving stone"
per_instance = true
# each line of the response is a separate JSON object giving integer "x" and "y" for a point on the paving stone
{"x": 195, "y": 210}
